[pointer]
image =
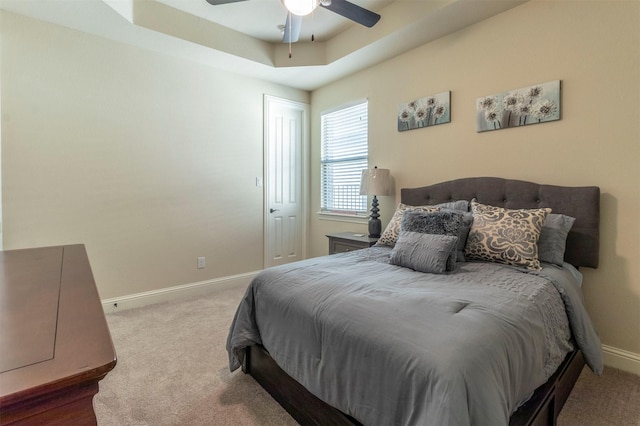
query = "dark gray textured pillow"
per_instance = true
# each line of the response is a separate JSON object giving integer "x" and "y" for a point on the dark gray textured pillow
{"x": 465, "y": 227}
{"x": 423, "y": 252}
{"x": 553, "y": 238}
{"x": 390, "y": 234}
{"x": 448, "y": 222}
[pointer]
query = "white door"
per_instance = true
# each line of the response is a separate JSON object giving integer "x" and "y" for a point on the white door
{"x": 1, "y": 171}
{"x": 286, "y": 132}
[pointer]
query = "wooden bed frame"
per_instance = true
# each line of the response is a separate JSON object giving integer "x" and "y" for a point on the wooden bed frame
{"x": 543, "y": 408}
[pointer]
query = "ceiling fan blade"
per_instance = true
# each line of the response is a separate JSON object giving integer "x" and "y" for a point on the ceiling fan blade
{"x": 219, "y": 2}
{"x": 291, "y": 28}
{"x": 354, "y": 12}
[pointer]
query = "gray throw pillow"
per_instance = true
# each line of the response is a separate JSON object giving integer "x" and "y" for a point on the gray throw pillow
{"x": 447, "y": 222}
{"x": 423, "y": 252}
{"x": 461, "y": 205}
{"x": 553, "y": 238}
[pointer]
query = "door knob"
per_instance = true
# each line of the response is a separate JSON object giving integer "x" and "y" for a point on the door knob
{"x": 273, "y": 210}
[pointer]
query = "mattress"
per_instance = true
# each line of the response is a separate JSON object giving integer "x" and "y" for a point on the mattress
{"x": 388, "y": 345}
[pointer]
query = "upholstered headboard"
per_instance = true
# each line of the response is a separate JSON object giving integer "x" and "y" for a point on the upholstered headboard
{"x": 582, "y": 203}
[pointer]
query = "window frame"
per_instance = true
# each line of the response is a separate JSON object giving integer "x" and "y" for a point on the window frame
{"x": 348, "y": 175}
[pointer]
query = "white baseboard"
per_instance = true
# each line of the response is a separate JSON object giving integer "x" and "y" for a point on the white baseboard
{"x": 621, "y": 359}
{"x": 137, "y": 300}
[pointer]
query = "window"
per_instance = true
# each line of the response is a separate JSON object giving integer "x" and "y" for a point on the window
{"x": 344, "y": 156}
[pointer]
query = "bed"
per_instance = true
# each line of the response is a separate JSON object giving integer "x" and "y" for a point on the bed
{"x": 360, "y": 338}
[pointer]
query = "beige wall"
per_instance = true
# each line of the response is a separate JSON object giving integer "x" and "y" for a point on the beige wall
{"x": 594, "y": 48}
{"x": 147, "y": 159}
{"x": 151, "y": 161}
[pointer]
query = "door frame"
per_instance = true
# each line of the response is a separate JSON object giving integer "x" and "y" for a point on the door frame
{"x": 304, "y": 173}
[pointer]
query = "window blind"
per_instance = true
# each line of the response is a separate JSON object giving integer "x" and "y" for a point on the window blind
{"x": 344, "y": 156}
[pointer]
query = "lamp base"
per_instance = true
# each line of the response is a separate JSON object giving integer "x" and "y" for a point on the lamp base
{"x": 375, "y": 225}
{"x": 375, "y": 228}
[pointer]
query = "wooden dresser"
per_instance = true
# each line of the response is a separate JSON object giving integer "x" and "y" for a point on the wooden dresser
{"x": 55, "y": 344}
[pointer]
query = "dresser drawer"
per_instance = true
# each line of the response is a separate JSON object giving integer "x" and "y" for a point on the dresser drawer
{"x": 348, "y": 241}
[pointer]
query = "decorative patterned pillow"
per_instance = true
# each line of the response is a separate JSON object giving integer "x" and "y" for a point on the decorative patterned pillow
{"x": 553, "y": 238}
{"x": 390, "y": 234}
{"x": 504, "y": 235}
{"x": 423, "y": 252}
{"x": 447, "y": 222}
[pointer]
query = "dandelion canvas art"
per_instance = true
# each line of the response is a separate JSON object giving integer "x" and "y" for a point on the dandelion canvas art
{"x": 425, "y": 112}
{"x": 535, "y": 104}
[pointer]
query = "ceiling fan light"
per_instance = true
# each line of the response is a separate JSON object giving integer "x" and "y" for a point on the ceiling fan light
{"x": 300, "y": 7}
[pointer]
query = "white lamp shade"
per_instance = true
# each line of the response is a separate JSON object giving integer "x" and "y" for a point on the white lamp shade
{"x": 375, "y": 182}
{"x": 300, "y": 7}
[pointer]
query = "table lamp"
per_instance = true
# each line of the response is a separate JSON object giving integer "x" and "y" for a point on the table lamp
{"x": 375, "y": 182}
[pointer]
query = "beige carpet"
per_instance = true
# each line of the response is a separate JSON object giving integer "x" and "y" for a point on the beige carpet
{"x": 172, "y": 370}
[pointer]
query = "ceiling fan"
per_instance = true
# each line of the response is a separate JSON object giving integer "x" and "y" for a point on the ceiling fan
{"x": 299, "y": 8}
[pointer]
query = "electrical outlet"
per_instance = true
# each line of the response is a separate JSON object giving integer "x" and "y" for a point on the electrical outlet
{"x": 201, "y": 262}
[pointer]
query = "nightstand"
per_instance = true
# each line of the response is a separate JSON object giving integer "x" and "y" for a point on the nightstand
{"x": 348, "y": 241}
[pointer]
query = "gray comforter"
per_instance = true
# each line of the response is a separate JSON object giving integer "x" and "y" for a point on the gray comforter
{"x": 390, "y": 346}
